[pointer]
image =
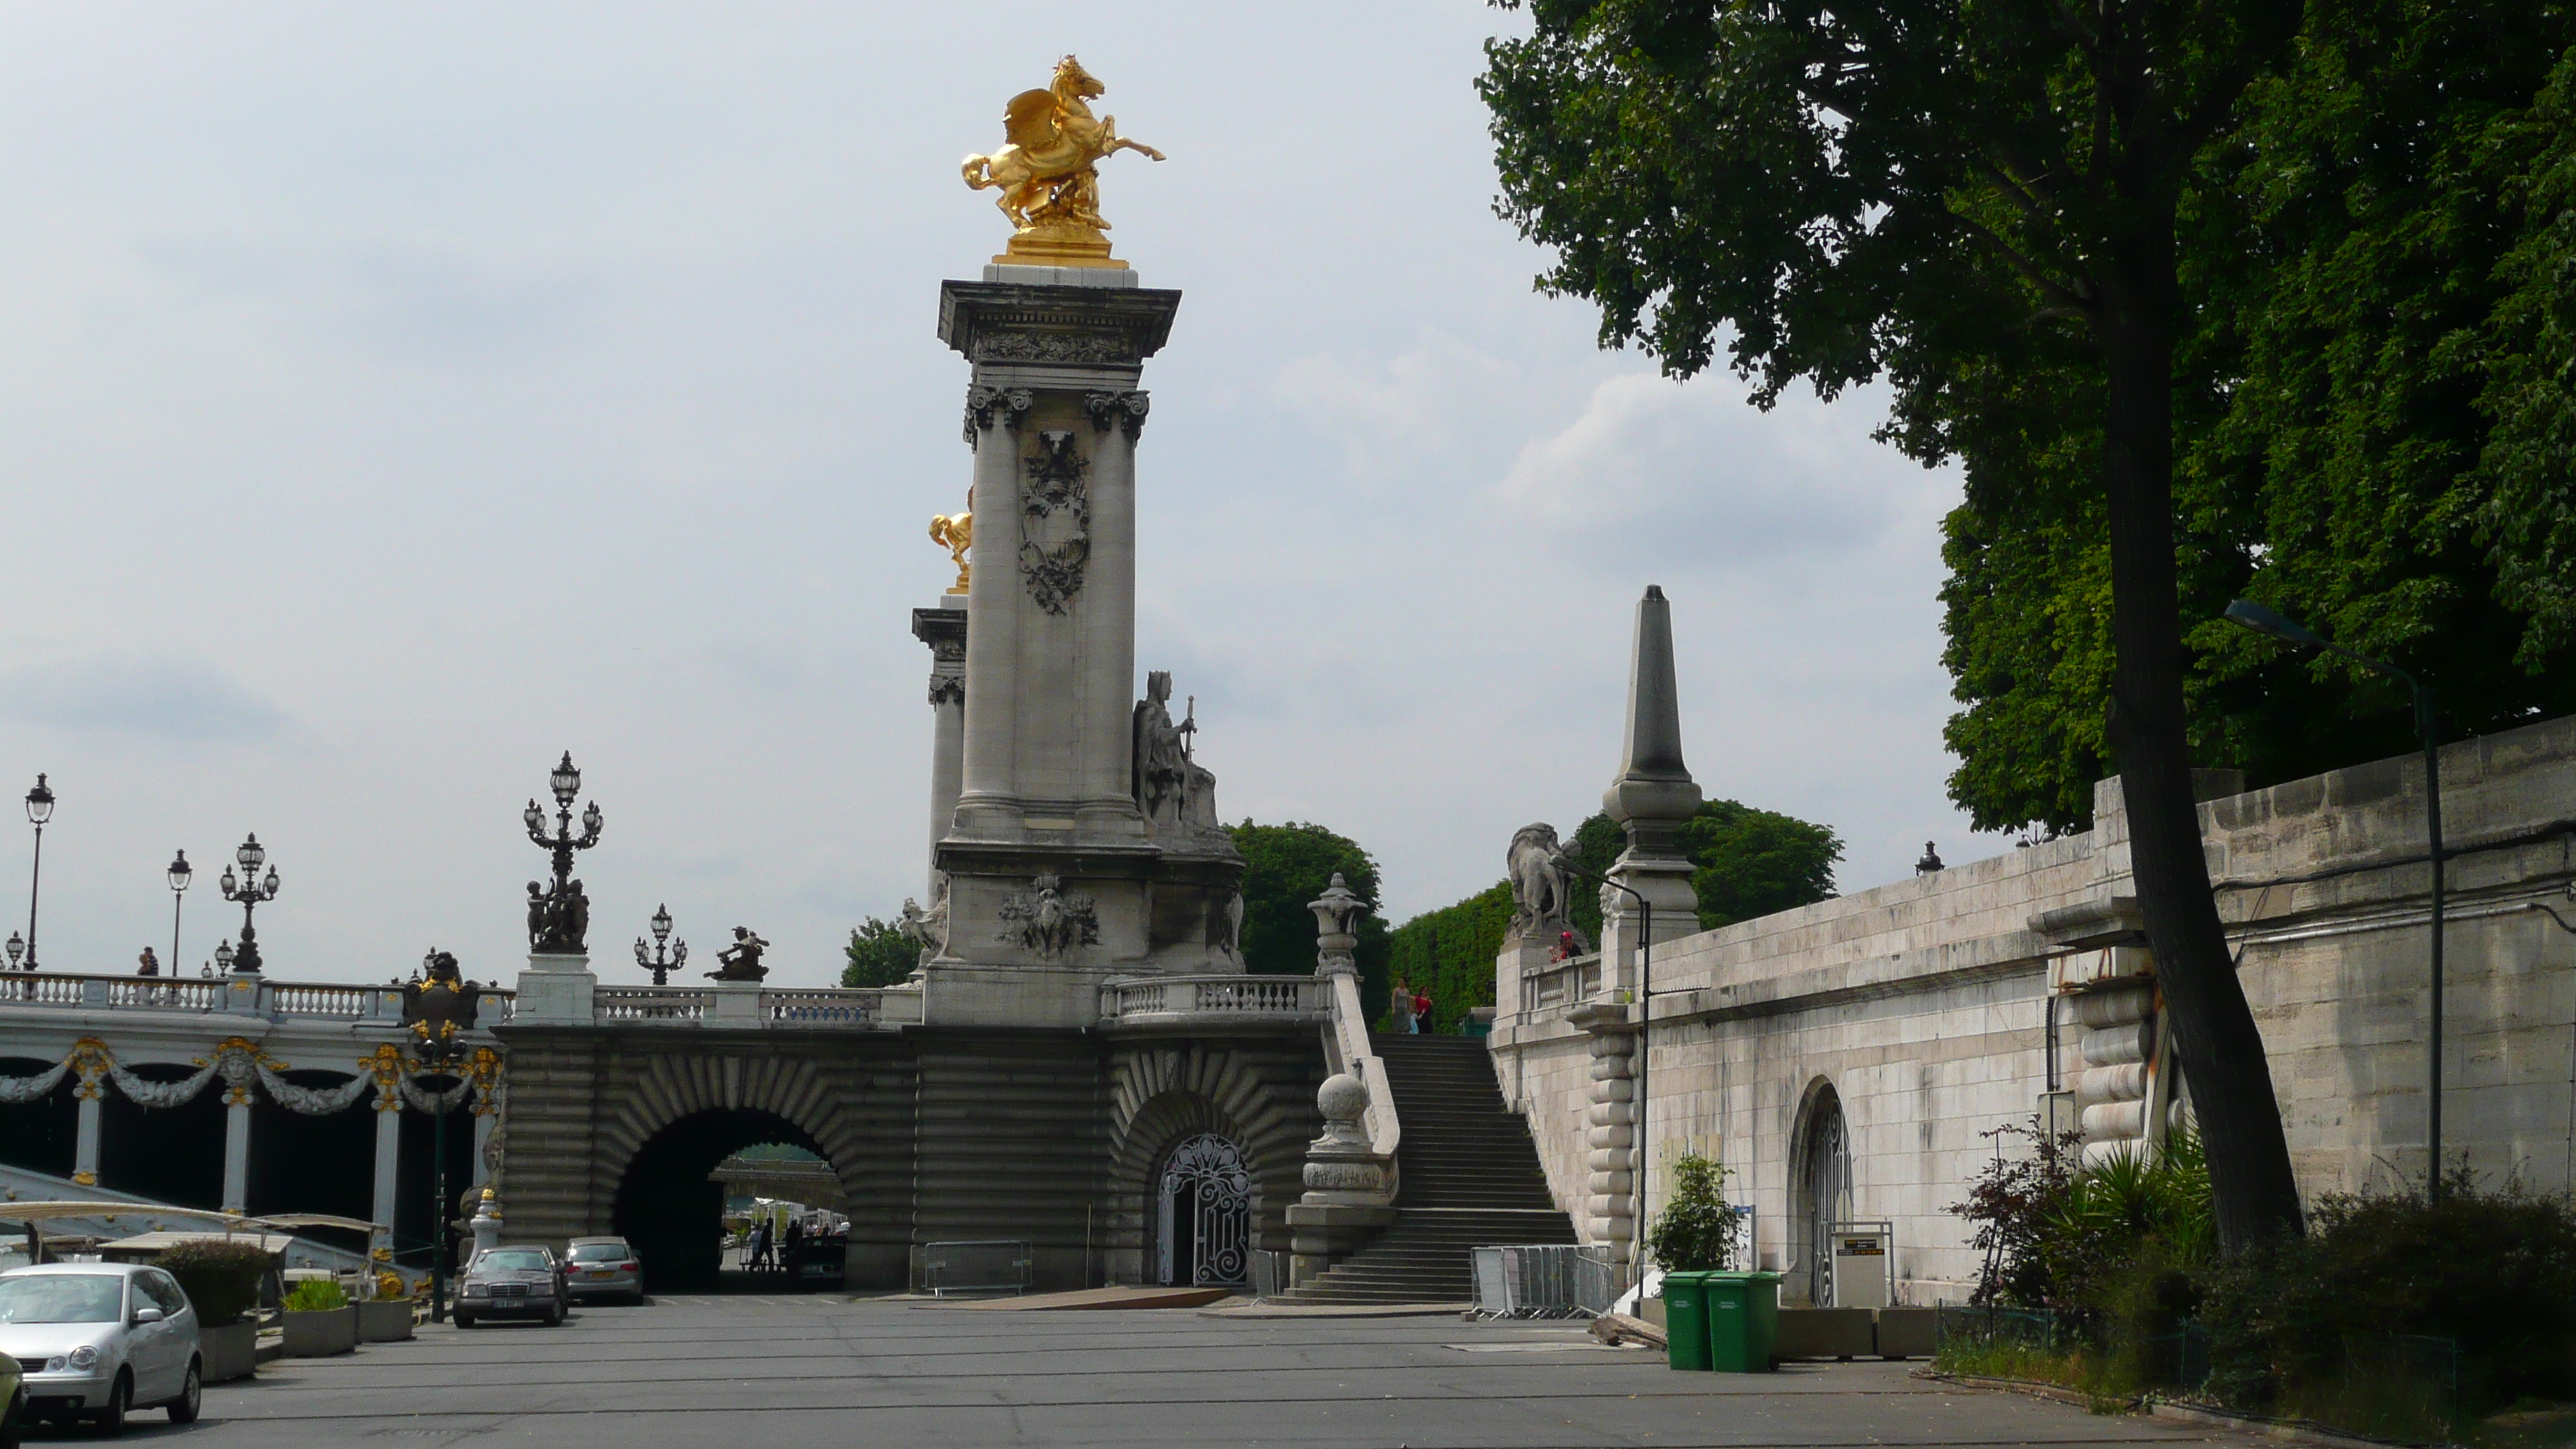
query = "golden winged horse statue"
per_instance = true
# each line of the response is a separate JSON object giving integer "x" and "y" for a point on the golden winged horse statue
{"x": 1046, "y": 173}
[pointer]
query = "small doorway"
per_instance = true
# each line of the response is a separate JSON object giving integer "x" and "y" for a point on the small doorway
{"x": 1203, "y": 1214}
{"x": 1824, "y": 1191}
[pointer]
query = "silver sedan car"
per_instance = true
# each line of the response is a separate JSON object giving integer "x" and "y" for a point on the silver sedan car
{"x": 604, "y": 1268}
{"x": 99, "y": 1339}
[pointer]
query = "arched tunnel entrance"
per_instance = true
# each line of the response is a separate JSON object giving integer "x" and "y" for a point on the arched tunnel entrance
{"x": 672, "y": 1211}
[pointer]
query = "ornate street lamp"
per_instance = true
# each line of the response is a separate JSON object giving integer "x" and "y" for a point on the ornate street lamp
{"x": 662, "y": 962}
{"x": 249, "y": 889}
{"x": 438, "y": 1010}
{"x": 180, "y": 875}
{"x": 17, "y": 947}
{"x": 559, "y": 919}
{"x": 223, "y": 955}
{"x": 40, "y": 808}
{"x": 2246, "y": 614}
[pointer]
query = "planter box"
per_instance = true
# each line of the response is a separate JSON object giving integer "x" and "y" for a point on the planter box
{"x": 320, "y": 1335}
{"x": 387, "y": 1321}
{"x": 1825, "y": 1333}
{"x": 230, "y": 1352}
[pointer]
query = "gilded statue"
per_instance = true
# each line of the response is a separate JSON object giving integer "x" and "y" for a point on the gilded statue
{"x": 1050, "y": 187}
{"x": 955, "y": 532}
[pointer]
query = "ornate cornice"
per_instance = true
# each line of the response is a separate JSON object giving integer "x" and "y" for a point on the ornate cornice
{"x": 1066, "y": 326}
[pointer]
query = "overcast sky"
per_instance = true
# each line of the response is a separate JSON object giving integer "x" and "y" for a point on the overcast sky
{"x": 399, "y": 395}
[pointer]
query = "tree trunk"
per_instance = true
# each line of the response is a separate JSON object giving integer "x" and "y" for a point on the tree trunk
{"x": 2214, "y": 1035}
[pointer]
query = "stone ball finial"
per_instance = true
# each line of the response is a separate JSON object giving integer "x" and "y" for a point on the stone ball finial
{"x": 1342, "y": 1098}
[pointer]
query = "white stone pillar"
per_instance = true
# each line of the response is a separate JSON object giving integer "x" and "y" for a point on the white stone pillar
{"x": 485, "y": 1119}
{"x": 85, "y": 1144}
{"x": 237, "y": 1150}
{"x": 1610, "y": 1203}
{"x": 555, "y": 991}
{"x": 944, "y": 629}
{"x": 1106, "y": 615}
{"x": 388, "y": 1157}
{"x": 986, "y": 801}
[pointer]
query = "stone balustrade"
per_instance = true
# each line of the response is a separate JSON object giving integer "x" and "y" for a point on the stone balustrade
{"x": 1213, "y": 999}
{"x": 239, "y": 995}
{"x": 1560, "y": 986}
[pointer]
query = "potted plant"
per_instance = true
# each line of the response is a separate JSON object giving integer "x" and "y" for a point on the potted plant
{"x": 387, "y": 1317}
{"x": 320, "y": 1320}
{"x": 221, "y": 1277}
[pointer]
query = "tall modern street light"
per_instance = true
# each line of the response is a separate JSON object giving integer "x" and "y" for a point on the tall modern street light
{"x": 40, "y": 808}
{"x": 249, "y": 890}
{"x": 180, "y": 875}
{"x": 2265, "y": 621}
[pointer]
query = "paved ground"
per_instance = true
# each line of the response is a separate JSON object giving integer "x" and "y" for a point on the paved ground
{"x": 789, "y": 1371}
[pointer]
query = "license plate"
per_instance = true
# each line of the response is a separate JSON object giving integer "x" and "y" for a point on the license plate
{"x": 600, "y": 1272}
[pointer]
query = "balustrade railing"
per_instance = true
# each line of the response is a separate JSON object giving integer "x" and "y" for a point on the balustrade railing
{"x": 789, "y": 1006}
{"x": 1146, "y": 998}
{"x": 332, "y": 1001}
{"x": 627, "y": 1004}
{"x": 1561, "y": 984}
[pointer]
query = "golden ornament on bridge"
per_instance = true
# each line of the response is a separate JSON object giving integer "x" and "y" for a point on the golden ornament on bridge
{"x": 1047, "y": 173}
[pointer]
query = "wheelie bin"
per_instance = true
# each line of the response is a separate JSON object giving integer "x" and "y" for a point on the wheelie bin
{"x": 1686, "y": 1320}
{"x": 1743, "y": 1320}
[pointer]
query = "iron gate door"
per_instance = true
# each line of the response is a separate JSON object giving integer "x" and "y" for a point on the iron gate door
{"x": 1204, "y": 1212}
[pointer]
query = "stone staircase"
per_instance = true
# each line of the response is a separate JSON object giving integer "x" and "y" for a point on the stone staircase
{"x": 1467, "y": 1176}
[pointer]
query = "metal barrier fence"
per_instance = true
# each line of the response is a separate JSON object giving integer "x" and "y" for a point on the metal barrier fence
{"x": 993, "y": 1265}
{"x": 1548, "y": 1280}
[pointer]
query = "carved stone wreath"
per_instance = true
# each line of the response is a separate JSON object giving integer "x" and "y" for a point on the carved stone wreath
{"x": 1056, "y": 486}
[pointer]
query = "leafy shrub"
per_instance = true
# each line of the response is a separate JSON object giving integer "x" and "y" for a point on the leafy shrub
{"x": 316, "y": 1295}
{"x": 2111, "y": 1247}
{"x": 2493, "y": 1270}
{"x": 221, "y": 1276}
{"x": 1696, "y": 1231}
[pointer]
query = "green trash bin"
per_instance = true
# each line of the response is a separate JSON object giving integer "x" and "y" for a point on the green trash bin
{"x": 1686, "y": 1320}
{"x": 1743, "y": 1320}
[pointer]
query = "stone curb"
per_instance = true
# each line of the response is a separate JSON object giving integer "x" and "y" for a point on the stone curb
{"x": 2299, "y": 1431}
{"x": 1339, "y": 1310}
{"x": 2030, "y": 1387}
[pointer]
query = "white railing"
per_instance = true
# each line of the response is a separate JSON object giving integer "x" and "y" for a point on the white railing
{"x": 205, "y": 994}
{"x": 788, "y": 1006}
{"x": 626, "y": 1005}
{"x": 1346, "y": 1049}
{"x": 1234, "y": 997}
{"x": 1560, "y": 985}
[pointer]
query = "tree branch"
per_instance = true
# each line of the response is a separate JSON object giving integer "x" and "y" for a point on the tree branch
{"x": 2063, "y": 296}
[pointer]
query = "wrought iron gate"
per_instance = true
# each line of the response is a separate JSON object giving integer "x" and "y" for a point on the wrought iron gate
{"x": 1204, "y": 1213}
{"x": 1825, "y": 1182}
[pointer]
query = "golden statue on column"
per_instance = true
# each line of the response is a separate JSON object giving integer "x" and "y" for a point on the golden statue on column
{"x": 1047, "y": 173}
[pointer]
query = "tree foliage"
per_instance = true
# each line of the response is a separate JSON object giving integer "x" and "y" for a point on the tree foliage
{"x": 1448, "y": 955}
{"x": 1696, "y": 1230}
{"x": 879, "y": 954}
{"x": 1284, "y": 868}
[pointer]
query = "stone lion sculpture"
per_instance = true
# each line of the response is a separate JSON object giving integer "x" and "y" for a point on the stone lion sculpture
{"x": 1536, "y": 867}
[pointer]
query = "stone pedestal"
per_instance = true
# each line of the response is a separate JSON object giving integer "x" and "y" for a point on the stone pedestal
{"x": 735, "y": 1004}
{"x": 1350, "y": 1190}
{"x": 1056, "y": 878}
{"x": 555, "y": 990}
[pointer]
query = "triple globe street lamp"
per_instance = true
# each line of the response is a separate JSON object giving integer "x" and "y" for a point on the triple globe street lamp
{"x": 249, "y": 889}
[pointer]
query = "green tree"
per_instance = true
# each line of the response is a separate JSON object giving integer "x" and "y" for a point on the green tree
{"x": 2366, "y": 274}
{"x": 1284, "y": 868}
{"x": 1935, "y": 192}
{"x": 1448, "y": 955}
{"x": 1756, "y": 862}
{"x": 879, "y": 954}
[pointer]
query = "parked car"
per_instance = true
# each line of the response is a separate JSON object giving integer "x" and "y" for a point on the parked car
{"x": 603, "y": 1268}
{"x": 97, "y": 1340}
{"x": 13, "y": 1402}
{"x": 512, "y": 1282}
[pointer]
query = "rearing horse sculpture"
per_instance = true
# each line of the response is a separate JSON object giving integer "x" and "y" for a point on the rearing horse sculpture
{"x": 1046, "y": 173}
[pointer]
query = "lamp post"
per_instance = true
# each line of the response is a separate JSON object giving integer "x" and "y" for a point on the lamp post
{"x": 249, "y": 889}
{"x": 2247, "y": 614}
{"x": 558, "y": 921}
{"x": 180, "y": 875}
{"x": 663, "y": 960}
{"x": 437, "y": 1049}
{"x": 40, "y": 808}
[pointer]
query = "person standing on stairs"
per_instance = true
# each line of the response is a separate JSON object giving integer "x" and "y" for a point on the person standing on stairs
{"x": 1399, "y": 1009}
{"x": 1422, "y": 1012}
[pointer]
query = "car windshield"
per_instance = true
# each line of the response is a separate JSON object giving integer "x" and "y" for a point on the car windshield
{"x": 598, "y": 1252}
{"x": 61, "y": 1298}
{"x": 512, "y": 1260}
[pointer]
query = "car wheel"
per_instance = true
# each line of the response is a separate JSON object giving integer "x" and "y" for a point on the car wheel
{"x": 13, "y": 1422}
{"x": 110, "y": 1421}
{"x": 464, "y": 1320}
{"x": 555, "y": 1316}
{"x": 192, "y": 1394}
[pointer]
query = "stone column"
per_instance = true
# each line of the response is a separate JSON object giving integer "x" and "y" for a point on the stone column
{"x": 1106, "y": 800}
{"x": 237, "y": 1150}
{"x": 388, "y": 1156}
{"x": 943, "y": 628}
{"x": 986, "y": 800}
{"x": 485, "y": 1119}
{"x": 1610, "y": 1201}
{"x": 89, "y": 1060}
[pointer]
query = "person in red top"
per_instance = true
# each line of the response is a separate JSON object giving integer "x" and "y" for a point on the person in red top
{"x": 1422, "y": 1013}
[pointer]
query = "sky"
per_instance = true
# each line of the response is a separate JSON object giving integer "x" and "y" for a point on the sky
{"x": 401, "y": 395}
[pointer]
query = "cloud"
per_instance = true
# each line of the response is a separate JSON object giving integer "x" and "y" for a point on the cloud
{"x": 174, "y": 699}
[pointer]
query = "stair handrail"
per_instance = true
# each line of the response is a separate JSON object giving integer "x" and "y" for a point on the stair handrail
{"x": 1346, "y": 1050}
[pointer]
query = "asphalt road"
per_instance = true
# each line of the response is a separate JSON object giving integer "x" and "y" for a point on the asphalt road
{"x": 817, "y": 1371}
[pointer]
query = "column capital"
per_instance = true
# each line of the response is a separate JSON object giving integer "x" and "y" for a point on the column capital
{"x": 986, "y": 406}
{"x": 1126, "y": 409}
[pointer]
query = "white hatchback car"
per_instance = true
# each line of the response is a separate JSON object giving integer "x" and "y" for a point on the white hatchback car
{"x": 99, "y": 1339}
